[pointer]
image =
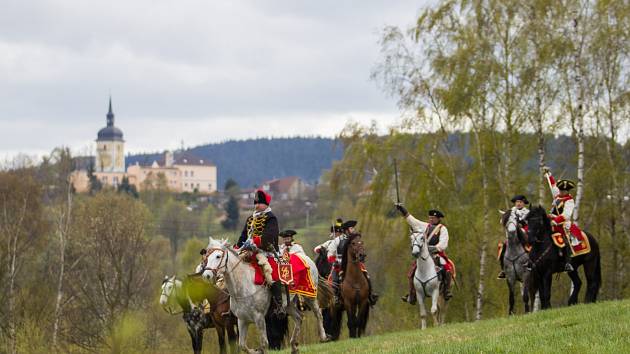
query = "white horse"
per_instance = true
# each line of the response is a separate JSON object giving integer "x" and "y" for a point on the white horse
{"x": 250, "y": 302}
{"x": 426, "y": 281}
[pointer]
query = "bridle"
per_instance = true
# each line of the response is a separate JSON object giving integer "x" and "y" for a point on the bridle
{"x": 225, "y": 254}
{"x": 356, "y": 249}
{"x": 221, "y": 265}
{"x": 415, "y": 242}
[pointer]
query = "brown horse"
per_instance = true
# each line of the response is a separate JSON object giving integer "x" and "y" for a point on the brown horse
{"x": 223, "y": 321}
{"x": 354, "y": 289}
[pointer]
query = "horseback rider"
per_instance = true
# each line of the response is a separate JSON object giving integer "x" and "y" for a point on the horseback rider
{"x": 437, "y": 236}
{"x": 518, "y": 212}
{"x": 561, "y": 213}
{"x": 260, "y": 235}
{"x": 335, "y": 256}
{"x": 288, "y": 243}
{"x": 335, "y": 231}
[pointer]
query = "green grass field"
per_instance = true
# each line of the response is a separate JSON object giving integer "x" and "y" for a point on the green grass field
{"x": 596, "y": 328}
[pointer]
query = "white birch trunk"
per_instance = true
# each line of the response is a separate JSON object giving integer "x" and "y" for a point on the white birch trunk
{"x": 482, "y": 251}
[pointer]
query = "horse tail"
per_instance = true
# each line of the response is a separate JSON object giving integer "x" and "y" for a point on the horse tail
{"x": 277, "y": 329}
{"x": 325, "y": 294}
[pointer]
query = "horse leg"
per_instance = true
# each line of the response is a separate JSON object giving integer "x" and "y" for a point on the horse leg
{"x": 442, "y": 307}
{"x": 525, "y": 292}
{"x": 193, "y": 339}
{"x": 323, "y": 337}
{"x": 592, "y": 270}
{"x": 242, "y": 339}
{"x": 423, "y": 310}
{"x": 297, "y": 319}
{"x": 510, "y": 284}
{"x": 262, "y": 329}
{"x": 435, "y": 295}
{"x": 364, "y": 314}
{"x": 230, "y": 326}
{"x": 221, "y": 337}
{"x": 545, "y": 292}
{"x": 577, "y": 285}
{"x": 352, "y": 326}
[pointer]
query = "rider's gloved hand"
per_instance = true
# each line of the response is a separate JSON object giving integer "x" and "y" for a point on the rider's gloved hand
{"x": 546, "y": 170}
{"x": 401, "y": 209}
{"x": 249, "y": 246}
{"x": 433, "y": 249}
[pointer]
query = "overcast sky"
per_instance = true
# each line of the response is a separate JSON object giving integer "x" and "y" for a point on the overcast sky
{"x": 193, "y": 70}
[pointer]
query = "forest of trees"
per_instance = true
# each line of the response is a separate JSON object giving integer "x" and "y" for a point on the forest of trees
{"x": 491, "y": 92}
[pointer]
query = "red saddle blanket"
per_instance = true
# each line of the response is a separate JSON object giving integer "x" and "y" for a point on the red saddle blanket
{"x": 583, "y": 247}
{"x": 302, "y": 281}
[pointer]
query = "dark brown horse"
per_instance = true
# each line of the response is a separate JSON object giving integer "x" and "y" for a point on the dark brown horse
{"x": 223, "y": 321}
{"x": 354, "y": 289}
{"x": 545, "y": 261}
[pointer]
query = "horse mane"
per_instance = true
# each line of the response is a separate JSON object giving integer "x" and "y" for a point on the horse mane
{"x": 540, "y": 212}
{"x": 344, "y": 252}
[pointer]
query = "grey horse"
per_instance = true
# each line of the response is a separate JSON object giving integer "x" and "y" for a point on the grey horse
{"x": 515, "y": 259}
{"x": 249, "y": 302}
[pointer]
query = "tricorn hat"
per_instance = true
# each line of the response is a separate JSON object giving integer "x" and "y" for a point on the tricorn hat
{"x": 520, "y": 197}
{"x": 337, "y": 226}
{"x": 565, "y": 184}
{"x": 348, "y": 224}
{"x": 437, "y": 213}
{"x": 288, "y": 233}
{"x": 261, "y": 197}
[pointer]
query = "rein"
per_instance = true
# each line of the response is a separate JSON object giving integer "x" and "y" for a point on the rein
{"x": 225, "y": 255}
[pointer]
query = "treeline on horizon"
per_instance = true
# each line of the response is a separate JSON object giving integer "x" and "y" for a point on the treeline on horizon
{"x": 252, "y": 161}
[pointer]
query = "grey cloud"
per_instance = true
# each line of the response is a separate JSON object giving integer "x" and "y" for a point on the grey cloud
{"x": 190, "y": 60}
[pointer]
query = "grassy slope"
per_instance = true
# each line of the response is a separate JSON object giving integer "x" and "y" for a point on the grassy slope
{"x": 597, "y": 328}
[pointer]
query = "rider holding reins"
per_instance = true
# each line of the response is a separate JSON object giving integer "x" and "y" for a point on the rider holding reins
{"x": 260, "y": 234}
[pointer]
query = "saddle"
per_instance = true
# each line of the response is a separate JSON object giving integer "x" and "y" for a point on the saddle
{"x": 559, "y": 236}
{"x": 295, "y": 274}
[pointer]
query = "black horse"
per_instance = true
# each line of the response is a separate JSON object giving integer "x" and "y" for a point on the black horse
{"x": 545, "y": 261}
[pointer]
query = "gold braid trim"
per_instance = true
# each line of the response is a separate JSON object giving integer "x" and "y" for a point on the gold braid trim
{"x": 256, "y": 225}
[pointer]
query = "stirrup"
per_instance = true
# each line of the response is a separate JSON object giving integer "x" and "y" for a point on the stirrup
{"x": 568, "y": 267}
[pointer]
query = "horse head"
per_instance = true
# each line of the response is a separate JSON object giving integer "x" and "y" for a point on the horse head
{"x": 417, "y": 244}
{"x": 510, "y": 223}
{"x": 353, "y": 250}
{"x": 539, "y": 224}
{"x": 167, "y": 289}
{"x": 216, "y": 259}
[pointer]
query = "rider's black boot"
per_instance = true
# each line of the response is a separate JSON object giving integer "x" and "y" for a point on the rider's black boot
{"x": 567, "y": 259}
{"x": 372, "y": 298}
{"x": 501, "y": 273}
{"x": 276, "y": 293}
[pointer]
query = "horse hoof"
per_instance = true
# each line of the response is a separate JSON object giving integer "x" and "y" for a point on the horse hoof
{"x": 325, "y": 340}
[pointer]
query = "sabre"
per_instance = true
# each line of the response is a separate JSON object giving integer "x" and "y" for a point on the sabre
{"x": 396, "y": 177}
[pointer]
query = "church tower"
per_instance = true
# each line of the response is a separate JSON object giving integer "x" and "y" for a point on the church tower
{"x": 110, "y": 146}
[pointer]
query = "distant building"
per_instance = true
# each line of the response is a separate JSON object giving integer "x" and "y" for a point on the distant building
{"x": 181, "y": 171}
{"x": 286, "y": 188}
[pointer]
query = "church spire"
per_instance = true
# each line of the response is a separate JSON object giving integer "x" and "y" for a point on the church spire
{"x": 110, "y": 114}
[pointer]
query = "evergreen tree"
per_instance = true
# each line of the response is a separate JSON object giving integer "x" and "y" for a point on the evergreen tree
{"x": 126, "y": 187}
{"x": 232, "y": 214}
